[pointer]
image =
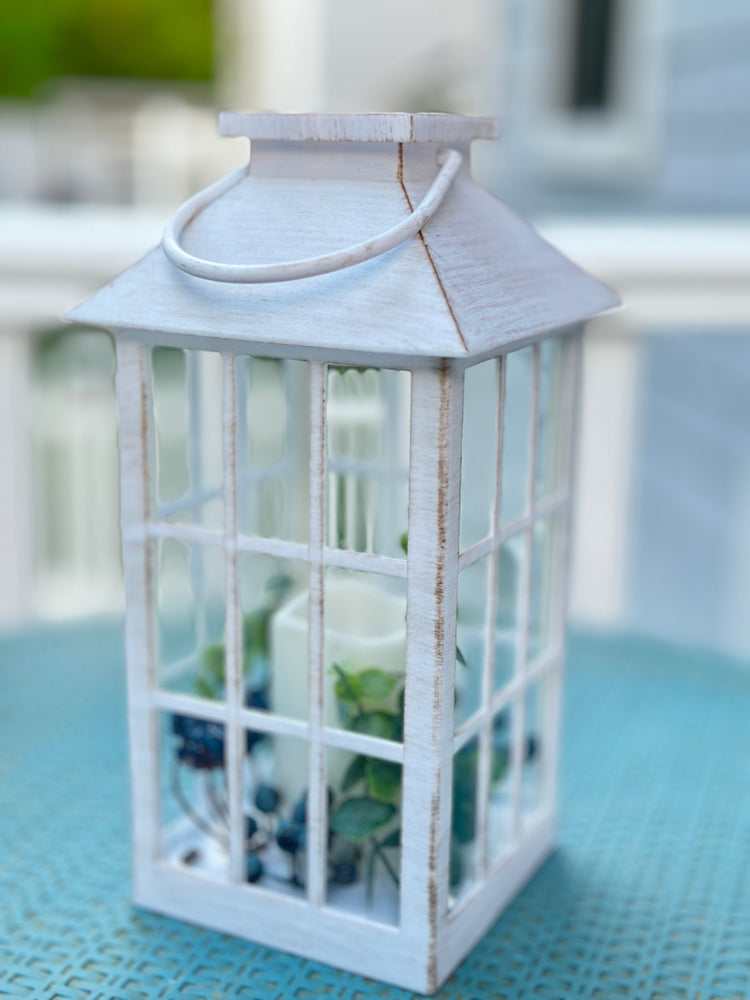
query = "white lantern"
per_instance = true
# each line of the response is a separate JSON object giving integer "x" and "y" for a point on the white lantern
{"x": 345, "y": 506}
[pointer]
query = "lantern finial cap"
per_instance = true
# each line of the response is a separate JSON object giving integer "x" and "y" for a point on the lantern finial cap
{"x": 395, "y": 127}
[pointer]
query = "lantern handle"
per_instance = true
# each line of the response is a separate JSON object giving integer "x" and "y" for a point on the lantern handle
{"x": 449, "y": 161}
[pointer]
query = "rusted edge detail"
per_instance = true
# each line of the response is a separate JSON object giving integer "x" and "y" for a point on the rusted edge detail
{"x": 439, "y": 634}
{"x": 420, "y": 234}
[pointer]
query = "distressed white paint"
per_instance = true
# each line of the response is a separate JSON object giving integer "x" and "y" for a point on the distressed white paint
{"x": 476, "y": 282}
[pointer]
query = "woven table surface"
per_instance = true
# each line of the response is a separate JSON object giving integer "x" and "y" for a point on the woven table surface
{"x": 648, "y": 895}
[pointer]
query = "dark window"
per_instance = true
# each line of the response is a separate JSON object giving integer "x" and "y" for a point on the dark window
{"x": 593, "y": 23}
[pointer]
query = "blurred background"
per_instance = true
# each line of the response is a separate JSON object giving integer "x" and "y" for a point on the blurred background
{"x": 625, "y": 138}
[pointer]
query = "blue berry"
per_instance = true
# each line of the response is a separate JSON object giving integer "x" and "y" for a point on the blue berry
{"x": 267, "y": 799}
{"x": 299, "y": 813}
{"x": 251, "y": 827}
{"x": 253, "y": 738}
{"x": 254, "y": 868}
{"x": 288, "y": 835}
{"x": 532, "y": 747}
{"x": 257, "y": 699}
{"x": 344, "y": 873}
{"x": 202, "y": 742}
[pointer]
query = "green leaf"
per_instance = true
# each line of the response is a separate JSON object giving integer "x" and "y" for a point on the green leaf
{"x": 499, "y": 762}
{"x": 347, "y": 686}
{"x": 404, "y": 542}
{"x": 278, "y": 586}
{"x": 204, "y": 688}
{"x": 385, "y": 725}
{"x": 213, "y": 662}
{"x": 375, "y": 684}
{"x": 460, "y": 657}
{"x": 393, "y": 839}
{"x": 456, "y": 865}
{"x": 255, "y": 631}
{"x": 464, "y": 794}
{"x": 358, "y": 819}
{"x": 383, "y": 779}
{"x": 354, "y": 773}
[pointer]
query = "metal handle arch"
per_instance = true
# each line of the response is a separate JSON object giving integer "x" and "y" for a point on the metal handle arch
{"x": 449, "y": 161}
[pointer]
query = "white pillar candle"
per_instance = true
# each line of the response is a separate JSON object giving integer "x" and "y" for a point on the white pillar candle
{"x": 364, "y": 627}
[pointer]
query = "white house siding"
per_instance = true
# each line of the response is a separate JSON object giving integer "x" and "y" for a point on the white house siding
{"x": 689, "y": 566}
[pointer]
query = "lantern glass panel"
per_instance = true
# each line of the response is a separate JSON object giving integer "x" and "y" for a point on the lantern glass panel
{"x": 463, "y": 862}
{"x": 479, "y": 453}
{"x": 187, "y": 408}
{"x": 536, "y": 705}
{"x": 274, "y": 805}
{"x": 194, "y": 830}
{"x": 365, "y": 652}
{"x": 274, "y": 609}
{"x": 545, "y": 584}
{"x": 364, "y": 848}
{"x": 552, "y": 388}
{"x": 191, "y": 616}
{"x": 500, "y": 812}
{"x": 471, "y": 639}
{"x": 367, "y": 460}
{"x": 507, "y": 610}
{"x": 517, "y": 414}
{"x": 273, "y": 448}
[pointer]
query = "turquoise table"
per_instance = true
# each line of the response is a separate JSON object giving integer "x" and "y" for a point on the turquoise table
{"x": 648, "y": 896}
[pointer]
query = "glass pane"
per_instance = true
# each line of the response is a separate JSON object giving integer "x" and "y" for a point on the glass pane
{"x": 463, "y": 867}
{"x": 479, "y": 453}
{"x": 544, "y": 584}
{"x": 364, "y": 848}
{"x": 195, "y": 832}
{"x": 507, "y": 622}
{"x": 549, "y": 457}
{"x": 191, "y": 616}
{"x": 516, "y": 433}
{"x": 365, "y": 653}
{"x": 535, "y": 712}
{"x": 500, "y": 813}
{"x": 187, "y": 392}
{"x": 276, "y": 774}
{"x": 273, "y": 604}
{"x": 273, "y": 448}
{"x": 471, "y": 639}
{"x": 367, "y": 460}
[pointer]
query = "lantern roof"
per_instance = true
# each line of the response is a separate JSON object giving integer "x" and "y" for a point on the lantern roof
{"x": 476, "y": 278}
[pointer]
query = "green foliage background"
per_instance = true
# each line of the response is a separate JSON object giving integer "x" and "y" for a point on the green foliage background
{"x": 151, "y": 39}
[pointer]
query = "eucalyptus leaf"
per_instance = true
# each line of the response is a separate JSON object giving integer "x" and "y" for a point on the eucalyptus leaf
{"x": 354, "y": 773}
{"x": 357, "y": 819}
{"x": 212, "y": 659}
{"x": 393, "y": 839}
{"x": 375, "y": 684}
{"x": 383, "y": 779}
{"x": 205, "y": 688}
{"x": 460, "y": 657}
{"x": 456, "y": 865}
{"x": 464, "y": 794}
{"x": 499, "y": 762}
{"x": 278, "y": 586}
{"x": 385, "y": 725}
{"x": 348, "y": 686}
{"x": 255, "y": 631}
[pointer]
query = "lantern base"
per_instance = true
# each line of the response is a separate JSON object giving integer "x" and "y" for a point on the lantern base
{"x": 338, "y": 938}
